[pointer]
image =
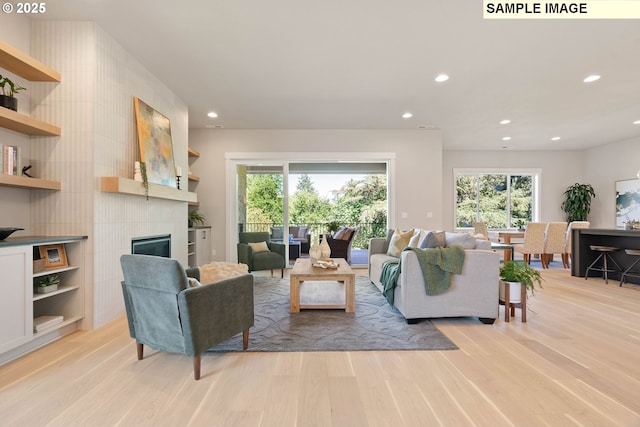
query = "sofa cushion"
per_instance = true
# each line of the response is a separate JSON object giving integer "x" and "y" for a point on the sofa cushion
{"x": 259, "y": 247}
{"x": 465, "y": 240}
{"x": 433, "y": 239}
{"x": 344, "y": 233}
{"x": 302, "y": 232}
{"x": 399, "y": 241}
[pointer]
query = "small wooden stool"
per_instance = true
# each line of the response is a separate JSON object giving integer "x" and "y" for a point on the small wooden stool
{"x": 510, "y": 307}
{"x": 628, "y": 272}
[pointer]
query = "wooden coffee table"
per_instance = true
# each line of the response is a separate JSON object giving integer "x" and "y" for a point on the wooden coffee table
{"x": 303, "y": 271}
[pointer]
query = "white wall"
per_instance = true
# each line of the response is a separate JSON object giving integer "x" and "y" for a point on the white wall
{"x": 604, "y": 165}
{"x": 560, "y": 169}
{"x": 418, "y": 181}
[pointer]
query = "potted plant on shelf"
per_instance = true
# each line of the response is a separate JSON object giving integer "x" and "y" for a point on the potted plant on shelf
{"x": 195, "y": 217}
{"x": 48, "y": 284}
{"x": 520, "y": 224}
{"x": 8, "y": 90}
{"x": 577, "y": 202}
{"x": 516, "y": 274}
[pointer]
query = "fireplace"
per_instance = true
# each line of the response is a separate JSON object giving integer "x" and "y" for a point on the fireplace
{"x": 152, "y": 245}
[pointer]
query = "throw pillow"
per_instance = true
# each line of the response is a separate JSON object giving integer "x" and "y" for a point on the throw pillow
{"x": 259, "y": 247}
{"x": 339, "y": 233}
{"x": 433, "y": 239}
{"x": 346, "y": 235}
{"x": 399, "y": 241}
{"x": 194, "y": 282}
{"x": 415, "y": 239}
{"x": 465, "y": 240}
{"x": 302, "y": 232}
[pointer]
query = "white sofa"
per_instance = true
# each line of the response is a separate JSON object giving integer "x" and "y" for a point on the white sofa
{"x": 473, "y": 293}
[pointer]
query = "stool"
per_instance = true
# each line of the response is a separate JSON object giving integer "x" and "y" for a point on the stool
{"x": 628, "y": 272}
{"x": 604, "y": 255}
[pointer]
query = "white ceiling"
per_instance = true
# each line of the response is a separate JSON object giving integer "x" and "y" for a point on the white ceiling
{"x": 361, "y": 64}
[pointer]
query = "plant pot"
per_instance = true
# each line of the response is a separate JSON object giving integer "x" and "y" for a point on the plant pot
{"x": 47, "y": 289}
{"x": 9, "y": 102}
{"x": 515, "y": 291}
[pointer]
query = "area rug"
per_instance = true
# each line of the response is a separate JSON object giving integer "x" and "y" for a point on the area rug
{"x": 374, "y": 326}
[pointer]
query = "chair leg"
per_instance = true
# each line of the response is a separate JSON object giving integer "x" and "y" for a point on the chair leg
{"x": 282, "y": 273}
{"x": 245, "y": 339}
{"x": 140, "y": 349}
{"x": 196, "y": 366}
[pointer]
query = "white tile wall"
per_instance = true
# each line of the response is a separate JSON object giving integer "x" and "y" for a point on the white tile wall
{"x": 94, "y": 107}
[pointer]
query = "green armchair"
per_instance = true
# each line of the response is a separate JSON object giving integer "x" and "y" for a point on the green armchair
{"x": 272, "y": 259}
{"x": 167, "y": 314}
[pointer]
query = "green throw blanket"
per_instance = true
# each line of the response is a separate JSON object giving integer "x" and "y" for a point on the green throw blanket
{"x": 437, "y": 265}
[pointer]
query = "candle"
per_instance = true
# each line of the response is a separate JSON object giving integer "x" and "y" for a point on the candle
{"x": 178, "y": 171}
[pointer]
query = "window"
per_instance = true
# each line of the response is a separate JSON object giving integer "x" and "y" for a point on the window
{"x": 500, "y": 199}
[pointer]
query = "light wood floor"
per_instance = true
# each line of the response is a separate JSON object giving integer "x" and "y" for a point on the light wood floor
{"x": 576, "y": 362}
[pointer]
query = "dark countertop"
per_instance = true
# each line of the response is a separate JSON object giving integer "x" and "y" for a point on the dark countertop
{"x": 609, "y": 232}
{"x": 36, "y": 240}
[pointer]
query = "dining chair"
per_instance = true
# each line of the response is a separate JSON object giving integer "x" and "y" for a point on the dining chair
{"x": 566, "y": 254}
{"x": 554, "y": 241}
{"x": 533, "y": 241}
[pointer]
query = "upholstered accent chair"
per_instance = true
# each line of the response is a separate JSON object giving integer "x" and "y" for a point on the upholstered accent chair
{"x": 166, "y": 313}
{"x": 481, "y": 228}
{"x": 341, "y": 242}
{"x": 533, "y": 241}
{"x": 566, "y": 255}
{"x": 554, "y": 241}
{"x": 258, "y": 251}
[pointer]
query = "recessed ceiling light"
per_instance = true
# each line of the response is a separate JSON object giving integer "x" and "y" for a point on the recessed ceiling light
{"x": 407, "y": 115}
{"x": 212, "y": 114}
{"x": 592, "y": 78}
{"x": 637, "y": 122}
{"x": 214, "y": 126}
{"x": 505, "y": 122}
{"x": 506, "y": 138}
{"x": 442, "y": 78}
{"x": 504, "y": 147}
{"x": 555, "y": 138}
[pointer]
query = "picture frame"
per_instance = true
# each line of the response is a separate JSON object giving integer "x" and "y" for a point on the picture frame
{"x": 54, "y": 256}
{"x": 156, "y": 144}
{"x": 627, "y": 201}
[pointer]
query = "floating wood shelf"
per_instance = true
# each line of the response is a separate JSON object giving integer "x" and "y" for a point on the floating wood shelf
{"x": 26, "y": 182}
{"x": 18, "y": 122}
{"x": 194, "y": 178}
{"x": 116, "y": 184}
{"x": 193, "y": 153}
{"x": 195, "y": 204}
{"x": 25, "y": 66}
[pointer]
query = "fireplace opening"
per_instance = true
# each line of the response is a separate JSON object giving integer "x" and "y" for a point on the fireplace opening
{"x": 152, "y": 245}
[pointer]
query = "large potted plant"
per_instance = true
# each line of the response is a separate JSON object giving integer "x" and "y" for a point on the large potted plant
{"x": 516, "y": 274}
{"x": 8, "y": 89}
{"x": 577, "y": 202}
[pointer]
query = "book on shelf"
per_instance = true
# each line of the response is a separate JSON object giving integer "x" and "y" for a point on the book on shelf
{"x": 11, "y": 160}
{"x": 43, "y": 322}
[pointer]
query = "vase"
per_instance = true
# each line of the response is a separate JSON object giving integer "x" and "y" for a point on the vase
{"x": 315, "y": 252}
{"x": 515, "y": 291}
{"x": 324, "y": 247}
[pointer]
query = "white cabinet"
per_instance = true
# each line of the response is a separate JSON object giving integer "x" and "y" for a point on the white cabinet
{"x": 199, "y": 246}
{"x": 16, "y": 307}
{"x": 21, "y": 303}
{"x": 203, "y": 245}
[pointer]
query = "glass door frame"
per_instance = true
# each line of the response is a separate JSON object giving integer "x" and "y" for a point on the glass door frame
{"x": 283, "y": 159}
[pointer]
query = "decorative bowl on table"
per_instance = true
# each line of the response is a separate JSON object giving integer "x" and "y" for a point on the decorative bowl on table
{"x": 6, "y": 231}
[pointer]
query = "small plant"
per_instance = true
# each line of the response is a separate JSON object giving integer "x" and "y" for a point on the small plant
{"x": 8, "y": 87}
{"x": 518, "y": 271}
{"x": 333, "y": 226}
{"x": 48, "y": 281}
{"x": 520, "y": 223}
{"x": 196, "y": 217}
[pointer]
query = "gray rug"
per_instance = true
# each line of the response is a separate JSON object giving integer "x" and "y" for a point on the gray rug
{"x": 374, "y": 326}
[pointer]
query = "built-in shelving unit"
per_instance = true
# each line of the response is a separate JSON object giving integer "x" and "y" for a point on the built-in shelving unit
{"x": 26, "y": 182}
{"x": 116, "y": 184}
{"x": 17, "y": 62}
{"x": 194, "y": 178}
{"x": 25, "y": 66}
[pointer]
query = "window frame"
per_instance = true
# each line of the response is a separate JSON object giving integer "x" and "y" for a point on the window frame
{"x": 535, "y": 173}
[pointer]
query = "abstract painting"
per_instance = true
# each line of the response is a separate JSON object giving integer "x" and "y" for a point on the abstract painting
{"x": 627, "y": 201}
{"x": 156, "y": 145}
